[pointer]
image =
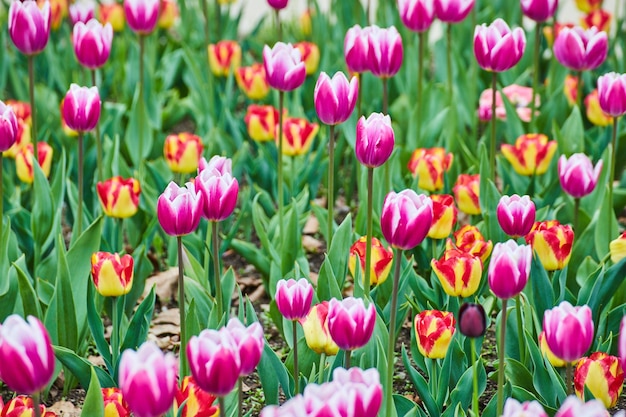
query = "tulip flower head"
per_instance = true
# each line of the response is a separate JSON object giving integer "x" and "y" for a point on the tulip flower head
{"x": 539, "y": 10}
{"x": 261, "y": 122}
{"x": 434, "y": 330}
{"x": 552, "y": 242}
{"x": 142, "y": 15}
{"x": 381, "y": 260}
{"x": 519, "y": 96}
{"x": 466, "y": 193}
{"x": 612, "y": 93}
{"x": 363, "y": 389}
{"x": 293, "y": 298}
{"x": 221, "y": 164}
{"x": 23, "y": 406}
{"x": 574, "y": 407}
{"x": 375, "y": 140}
{"x": 621, "y": 343}
{"x": 350, "y": 323}
{"x": 92, "y": 43}
{"x": 469, "y": 239}
{"x": 316, "y": 333}
{"x": 250, "y": 342}
{"x": 252, "y": 81}
{"x": 24, "y": 161}
{"x": 278, "y": 4}
{"x": 453, "y": 11}
{"x": 509, "y": 268}
{"x": 579, "y": 49}
{"x": 602, "y": 375}
{"x": 531, "y": 154}
{"x": 8, "y": 127}
{"x": 497, "y": 48}
{"x": 224, "y": 57}
{"x": 513, "y": 408}
{"x": 310, "y": 55}
{"x": 24, "y": 121}
{"x": 429, "y": 165}
{"x": 81, "y": 108}
{"x": 617, "y": 248}
{"x": 335, "y": 97}
{"x": 179, "y": 209}
{"x": 569, "y": 330}
{"x": 114, "y": 403}
{"x": 284, "y": 66}
{"x": 182, "y": 152}
{"x": 577, "y": 174}
{"x": 417, "y": 15}
{"x": 356, "y": 49}
{"x": 298, "y": 135}
{"x": 472, "y": 320}
{"x": 570, "y": 89}
{"x": 82, "y": 11}
{"x": 547, "y": 353}
{"x": 599, "y": 18}
{"x": 198, "y": 403}
{"x": 587, "y": 6}
{"x": 516, "y": 215}
{"x": 444, "y": 216}
{"x": 459, "y": 272}
{"x": 385, "y": 51}
{"x": 594, "y": 112}
{"x": 112, "y": 274}
{"x": 168, "y": 14}
{"x": 119, "y": 197}
{"x": 113, "y": 13}
{"x": 406, "y": 218}
{"x": 29, "y": 26}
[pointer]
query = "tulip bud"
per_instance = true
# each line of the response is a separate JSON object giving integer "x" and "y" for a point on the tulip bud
{"x": 602, "y": 375}
{"x": 335, "y": 98}
{"x": 459, "y": 272}
{"x": 221, "y": 164}
{"x": 598, "y": 18}
{"x": 621, "y": 343}
{"x": 552, "y": 242}
{"x": 218, "y": 192}
{"x": 29, "y": 26}
{"x": 112, "y": 274}
{"x": 182, "y": 152}
{"x": 365, "y": 393}
{"x": 594, "y": 111}
{"x": 119, "y": 197}
{"x": 253, "y": 81}
{"x": 570, "y": 89}
{"x": 469, "y": 239}
{"x": 587, "y": 6}
{"x": 612, "y": 93}
{"x": 466, "y": 193}
{"x": 22, "y": 406}
{"x": 472, "y": 320}
{"x": 58, "y": 11}
{"x": 350, "y": 323}
{"x": 179, "y": 209}
{"x": 24, "y": 161}
{"x": 453, "y": 11}
{"x": 284, "y": 66}
{"x": 417, "y": 15}
{"x": 519, "y": 96}
{"x": 81, "y": 108}
{"x": 310, "y": 55}
{"x": 513, "y": 408}
{"x": 375, "y": 140}
{"x": 531, "y": 154}
{"x": 261, "y": 122}
{"x": 385, "y": 51}
{"x": 547, "y": 353}
{"x": 497, "y": 48}
{"x": 168, "y": 14}
{"x": 429, "y": 165}
{"x": 293, "y": 298}
{"x": 142, "y": 15}
{"x": 569, "y": 330}
{"x": 305, "y": 22}
{"x": 92, "y": 43}
{"x": 224, "y": 57}
{"x": 406, "y": 218}
{"x": 617, "y": 248}
{"x": 249, "y": 342}
{"x": 577, "y": 174}
{"x": 579, "y": 49}
{"x": 356, "y": 49}
{"x": 509, "y": 268}
{"x": 380, "y": 263}
{"x": 539, "y": 10}
{"x": 298, "y": 135}
{"x": 147, "y": 378}
{"x": 574, "y": 407}
{"x": 278, "y": 4}
{"x": 24, "y": 121}
{"x": 516, "y": 215}
{"x": 291, "y": 408}
{"x": 114, "y": 403}
{"x": 8, "y": 127}
{"x": 316, "y": 334}
{"x": 433, "y": 331}
{"x": 198, "y": 403}
{"x": 444, "y": 216}
{"x": 113, "y": 13}
{"x": 82, "y": 11}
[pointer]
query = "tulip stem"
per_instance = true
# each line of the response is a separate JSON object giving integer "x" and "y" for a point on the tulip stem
{"x": 182, "y": 353}
{"x": 320, "y": 374}
{"x": 115, "y": 332}
{"x": 1, "y": 197}
{"x": 222, "y": 404}
{"x": 474, "y": 377}
{"x": 98, "y": 136}
{"x": 79, "y": 220}
{"x": 520, "y": 329}
{"x": 611, "y": 178}
{"x": 141, "y": 104}
{"x": 279, "y": 28}
{"x": 331, "y": 184}
{"x": 207, "y": 255}
{"x": 492, "y": 152}
{"x": 36, "y": 402}
{"x": 281, "y": 103}
{"x": 33, "y": 108}
{"x": 347, "y": 357}
{"x": 569, "y": 375}
{"x": 296, "y": 374}
{"x": 368, "y": 242}
{"x": 240, "y": 395}
{"x": 420, "y": 79}
{"x": 392, "y": 330}
{"x": 205, "y": 12}
{"x": 449, "y": 69}
{"x": 216, "y": 271}
{"x": 533, "y": 105}
{"x": 500, "y": 402}
{"x": 387, "y": 171}
{"x": 576, "y": 209}
{"x": 359, "y": 102}
{"x": 218, "y": 19}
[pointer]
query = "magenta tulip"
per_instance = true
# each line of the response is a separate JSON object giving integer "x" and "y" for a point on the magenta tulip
{"x": 29, "y": 26}
{"x": 575, "y": 407}
{"x": 278, "y": 4}
{"x": 579, "y": 49}
{"x": 497, "y": 48}
{"x": 417, "y": 15}
{"x": 385, "y": 51}
{"x": 82, "y": 11}
{"x": 8, "y": 127}
{"x": 513, "y": 408}
{"x": 612, "y": 94}
{"x": 406, "y": 218}
{"x": 214, "y": 361}
{"x": 26, "y": 356}
{"x": 375, "y": 140}
{"x": 350, "y": 323}
{"x": 219, "y": 194}
{"x": 577, "y": 174}
{"x": 453, "y": 11}
{"x": 293, "y": 298}
{"x": 221, "y": 163}
{"x": 179, "y": 209}
{"x": 92, "y": 43}
{"x": 284, "y": 67}
{"x": 365, "y": 393}
{"x": 516, "y": 215}
{"x": 142, "y": 15}
{"x": 291, "y": 408}
{"x": 147, "y": 379}
{"x": 81, "y": 108}
{"x": 335, "y": 97}
{"x": 250, "y": 343}
{"x": 569, "y": 330}
{"x": 539, "y": 10}
{"x": 621, "y": 343}
{"x": 355, "y": 49}
{"x": 509, "y": 268}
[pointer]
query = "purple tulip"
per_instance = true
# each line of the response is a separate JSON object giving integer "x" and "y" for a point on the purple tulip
{"x": 513, "y": 408}
{"x": 355, "y": 49}
{"x": 498, "y": 48}
{"x": 142, "y": 15}
{"x": 92, "y": 43}
{"x": 293, "y": 298}
{"x": 577, "y": 174}
{"x": 453, "y": 11}
{"x": 335, "y": 97}
{"x": 179, "y": 209}
{"x": 612, "y": 94}
{"x": 516, "y": 215}
{"x": 472, "y": 320}
{"x": 81, "y": 108}
{"x": 221, "y": 163}
{"x": 579, "y": 49}
{"x": 219, "y": 192}
{"x": 417, "y": 15}
{"x": 385, "y": 51}
{"x": 539, "y": 10}
{"x": 250, "y": 343}
{"x": 575, "y": 407}
{"x": 375, "y": 140}
{"x": 350, "y": 323}
{"x": 406, "y": 218}
{"x": 278, "y": 4}
{"x": 29, "y": 26}
{"x": 569, "y": 330}
{"x": 82, "y": 11}
{"x": 509, "y": 268}
{"x": 284, "y": 67}
{"x": 8, "y": 127}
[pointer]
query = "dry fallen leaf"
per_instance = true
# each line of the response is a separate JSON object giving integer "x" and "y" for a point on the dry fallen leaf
{"x": 312, "y": 225}
{"x": 166, "y": 284}
{"x": 65, "y": 409}
{"x": 311, "y": 245}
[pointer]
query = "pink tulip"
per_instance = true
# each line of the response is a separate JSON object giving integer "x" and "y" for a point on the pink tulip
{"x": 214, "y": 361}
{"x": 81, "y": 108}
{"x": 569, "y": 331}
{"x": 335, "y": 98}
{"x": 291, "y": 408}
{"x": 375, "y": 140}
{"x": 179, "y": 209}
{"x": 219, "y": 192}
{"x": 509, "y": 268}
{"x": 575, "y": 407}
{"x": 498, "y": 48}
{"x": 29, "y": 26}
{"x": 26, "y": 356}
{"x": 293, "y": 298}
{"x": 612, "y": 94}
{"x": 364, "y": 391}
{"x": 516, "y": 215}
{"x": 621, "y": 343}
{"x": 82, "y": 11}
{"x": 453, "y": 11}
{"x": 284, "y": 67}
{"x": 92, "y": 43}
{"x": 579, "y": 49}
{"x": 417, "y": 15}
{"x": 8, "y": 127}
{"x": 142, "y": 15}
{"x": 221, "y": 163}
{"x": 577, "y": 174}
{"x": 355, "y": 49}
{"x": 250, "y": 342}
{"x": 278, "y": 4}
{"x": 513, "y": 408}
{"x": 385, "y": 51}
{"x": 350, "y": 323}
{"x": 539, "y": 10}
{"x": 406, "y": 218}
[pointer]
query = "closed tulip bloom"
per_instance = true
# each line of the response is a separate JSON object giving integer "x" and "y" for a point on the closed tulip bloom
{"x": 594, "y": 112}
{"x": 509, "y": 268}
{"x": 516, "y": 215}
{"x": 221, "y": 164}
{"x": 316, "y": 333}
{"x": 459, "y": 272}
{"x": 298, "y": 135}
{"x": 26, "y": 346}
{"x": 513, "y": 408}
{"x": 278, "y": 4}
{"x": 179, "y": 209}
{"x": 364, "y": 391}
{"x": 570, "y": 89}
{"x": 375, "y": 140}
{"x": 469, "y": 239}
{"x": 417, "y": 15}
{"x": 385, "y": 51}
{"x": 617, "y": 249}
{"x": 261, "y": 122}
{"x": 612, "y": 93}
{"x": 112, "y": 274}
{"x": 250, "y": 343}
{"x": 114, "y": 403}
{"x": 621, "y": 343}
{"x": 569, "y": 330}
{"x": 182, "y": 152}
{"x": 444, "y": 216}
{"x": 119, "y": 197}
{"x": 335, "y": 97}
{"x": 356, "y": 49}
{"x": 168, "y": 14}
{"x": 539, "y": 10}
{"x": 214, "y": 361}
{"x": 81, "y": 108}
{"x": 147, "y": 378}
{"x": 579, "y": 49}
{"x": 380, "y": 263}
{"x": 434, "y": 330}
{"x": 253, "y": 81}
{"x": 587, "y": 6}
{"x": 58, "y": 11}
{"x": 350, "y": 323}
{"x": 23, "y": 406}
{"x": 602, "y": 375}
{"x": 82, "y": 11}
{"x": 29, "y": 26}
{"x": 8, "y": 127}
{"x": 598, "y": 18}
{"x": 497, "y": 48}
{"x": 577, "y": 175}
{"x": 531, "y": 154}
{"x": 429, "y": 165}
{"x": 92, "y": 43}
{"x": 466, "y": 193}
{"x": 224, "y": 57}
{"x": 113, "y": 13}
{"x": 293, "y": 298}
{"x": 574, "y": 407}
{"x": 472, "y": 320}
{"x": 406, "y": 218}
{"x": 547, "y": 353}
{"x": 519, "y": 96}
{"x": 24, "y": 161}
{"x": 142, "y": 15}
{"x": 310, "y": 55}
{"x": 552, "y": 242}
{"x": 198, "y": 403}
{"x": 291, "y": 408}
{"x": 284, "y": 66}
{"x": 453, "y": 11}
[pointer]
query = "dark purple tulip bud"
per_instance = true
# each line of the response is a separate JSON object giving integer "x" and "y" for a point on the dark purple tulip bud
{"x": 472, "y": 320}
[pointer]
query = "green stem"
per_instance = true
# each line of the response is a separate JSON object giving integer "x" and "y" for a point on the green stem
{"x": 240, "y": 396}
{"x": 331, "y": 184}
{"x": 141, "y": 103}
{"x": 36, "y": 402}
{"x": 281, "y": 103}
{"x": 98, "y": 136}
{"x": 1, "y": 197}
{"x": 33, "y": 108}
{"x": 205, "y": 12}
{"x": 420, "y": 79}
{"x": 492, "y": 147}
{"x": 576, "y": 209}
{"x": 216, "y": 270}
{"x": 81, "y": 164}
{"x": 475, "y": 377}
{"x": 347, "y": 358}
{"x": 120, "y": 235}
{"x": 296, "y": 374}
{"x": 520, "y": 329}
{"x": 320, "y": 375}
{"x": 359, "y": 101}
{"x": 279, "y": 28}
{"x": 368, "y": 240}
{"x": 115, "y": 332}
{"x": 385, "y": 81}
{"x": 222, "y": 404}
{"x": 207, "y": 255}
{"x": 579, "y": 90}
{"x": 569, "y": 372}
{"x": 392, "y": 330}
{"x": 218, "y": 21}
{"x": 533, "y": 105}
{"x": 613, "y": 150}
{"x": 449, "y": 69}
{"x": 500, "y": 393}
{"x": 181, "y": 309}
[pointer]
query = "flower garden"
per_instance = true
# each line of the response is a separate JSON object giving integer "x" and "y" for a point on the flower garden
{"x": 429, "y": 195}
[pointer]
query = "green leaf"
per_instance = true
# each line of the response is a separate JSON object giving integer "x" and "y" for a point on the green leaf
{"x": 327, "y": 286}
{"x": 462, "y": 393}
{"x": 251, "y": 253}
{"x": 97, "y": 328}
{"x": 94, "y": 404}
{"x": 81, "y": 368}
{"x": 140, "y": 323}
{"x": 421, "y": 386}
{"x": 29, "y": 297}
{"x": 340, "y": 248}
{"x": 290, "y": 239}
{"x": 571, "y": 137}
{"x": 42, "y": 216}
{"x": 272, "y": 372}
{"x": 604, "y": 287}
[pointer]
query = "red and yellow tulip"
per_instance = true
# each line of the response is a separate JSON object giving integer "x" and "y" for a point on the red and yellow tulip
{"x": 113, "y": 13}
{"x": 433, "y": 331}
{"x": 599, "y": 18}
{"x": 198, "y": 402}
{"x": 617, "y": 248}
{"x": 444, "y": 216}
{"x": 594, "y": 112}
{"x": 114, "y": 404}
{"x": 570, "y": 89}
{"x": 469, "y": 239}
{"x": 119, "y": 197}
{"x": 381, "y": 260}
{"x": 316, "y": 334}
{"x": 310, "y": 54}
{"x": 552, "y": 242}
{"x": 224, "y": 57}
{"x": 298, "y": 135}
{"x": 602, "y": 375}
{"x": 58, "y": 11}
{"x": 24, "y": 122}
{"x": 24, "y": 161}
{"x": 168, "y": 14}
{"x": 261, "y": 122}
{"x": 531, "y": 154}
{"x": 459, "y": 272}
{"x": 183, "y": 152}
{"x": 252, "y": 81}
{"x": 429, "y": 165}
{"x": 588, "y": 6}
{"x": 112, "y": 274}
{"x": 466, "y": 193}
{"x": 547, "y": 353}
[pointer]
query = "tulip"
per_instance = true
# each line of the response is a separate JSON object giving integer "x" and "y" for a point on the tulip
{"x": 261, "y": 122}
{"x": 587, "y": 6}
{"x": 219, "y": 192}
{"x": 81, "y": 108}
{"x": 364, "y": 390}
{"x": 433, "y": 331}
{"x": 516, "y": 215}
{"x": 539, "y": 10}
{"x": 417, "y": 15}
{"x": 26, "y": 346}
{"x": 547, "y": 353}
{"x": 570, "y": 89}
{"x": 112, "y": 274}
{"x": 335, "y": 98}
{"x": 466, "y": 193}
{"x": 198, "y": 403}
{"x": 278, "y": 4}
{"x": 253, "y": 81}
{"x": 142, "y": 15}
{"x": 574, "y": 407}
{"x": 498, "y": 48}
{"x": 29, "y": 26}
{"x": 182, "y": 152}
{"x": 58, "y": 11}
{"x": 612, "y": 93}
{"x": 577, "y": 175}
{"x": 168, "y": 14}
{"x": 621, "y": 343}
{"x": 602, "y": 375}
{"x": 291, "y": 408}
{"x": 310, "y": 55}
{"x": 179, "y": 209}
{"x": 598, "y": 18}
{"x": 385, "y": 51}
{"x": 298, "y": 135}
{"x": 305, "y": 22}
{"x": 8, "y": 127}
{"x": 147, "y": 378}
{"x": 350, "y": 323}
{"x": 472, "y": 320}
{"x": 82, "y": 11}
{"x": 23, "y": 406}
{"x": 429, "y": 165}
{"x": 375, "y": 140}
{"x": 459, "y": 272}
{"x": 381, "y": 260}
{"x": 119, "y": 197}
{"x": 469, "y": 239}
{"x": 519, "y": 96}
{"x": 513, "y": 408}
{"x": 284, "y": 66}
{"x": 569, "y": 330}
{"x": 509, "y": 268}
{"x": 219, "y": 163}
{"x": 224, "y": 57}
{"x": 250, "y": 342}
{"x": 406, "y": 218}
{"x": 579, "y": 49}
{"x": 453, "y": 11}
{"x": 617, "y": 249}
{"x": 316, "y": 333}
{"x": 531, "y": 154}
{"x": 114, "y": 403}
{"x": 293, "y": 298}
{"x": 356, "y": 49}
{"x": 92, "y": 43}
{"x": 214, "y": 361}
{"x": 113, "y": 13}
{"x": 24, "y": 161}
{"x": 552, "y": 242}
{"x": 595, "y": 114}
{"x": 444, "y": 216}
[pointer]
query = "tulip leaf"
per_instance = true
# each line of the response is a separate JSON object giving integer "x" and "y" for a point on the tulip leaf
{"x": 94, "y": 404}
{"x": 462, "y": 392}
{"x": 261, "y": 226}
{"x": 339, "y": 250}
{"x": 29, "y": 296}
{"x": 606, "y": 228}
{"x": 42, "y": 216}
{"x": 542, "y": 294}
{"x": 421, "y": 386}
{"x": 403, "y": 406}
{"x": 290, "y": 239}
{"x": 81, "y": 368}
{"x": 251, "y": 253}
{"x": 604, "y": 287}
{"x": 327, "y": 286}
{"x": 272, "y": 372}
{"x": 97, "y": 328}
{"x": 571, "y": 137}
{"x": 140, "y": 323}
{"x": 545, "y": 380}
{"x": 519, "y": 376}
